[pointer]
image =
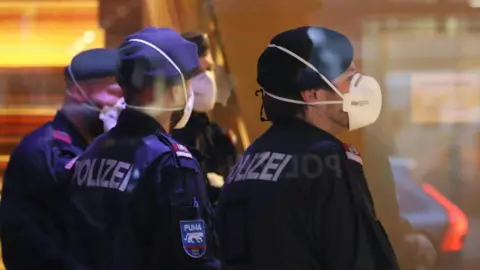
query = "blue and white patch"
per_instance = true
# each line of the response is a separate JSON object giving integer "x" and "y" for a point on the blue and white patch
{"x": 193, "y": 237}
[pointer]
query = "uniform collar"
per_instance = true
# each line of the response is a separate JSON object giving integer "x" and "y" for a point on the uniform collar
{"x": 64, "y": 130}
{"x": 138, "y": 122}
{"x": 306, "y": 129}
{"x": 196, "y": 122}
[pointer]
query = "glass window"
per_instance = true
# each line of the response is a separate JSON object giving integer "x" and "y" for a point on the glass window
{"x": 431, "y": 77}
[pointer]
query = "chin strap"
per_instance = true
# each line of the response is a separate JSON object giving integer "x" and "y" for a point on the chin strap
{"x": 262, "y": 117}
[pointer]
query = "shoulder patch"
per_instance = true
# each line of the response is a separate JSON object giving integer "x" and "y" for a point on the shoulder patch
{"x": 352, "y": 153}
{"x": 70, "y": 164}
{"x": 62, "y": 136}
{"x": 193, "y": 237}
{"x": 182, "y": 151}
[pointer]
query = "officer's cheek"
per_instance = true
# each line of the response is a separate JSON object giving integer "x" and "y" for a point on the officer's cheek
{"x": 335, "y": 111}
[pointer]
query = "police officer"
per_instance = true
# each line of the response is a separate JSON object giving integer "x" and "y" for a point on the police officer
{"x": 30, "y": 231}
{"x": 298, "y": 199}
{"x": 139, "y": 197}
{"x": 215, "y": 150}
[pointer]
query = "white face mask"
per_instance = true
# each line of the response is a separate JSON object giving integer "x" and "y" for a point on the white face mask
{"x": 108, "y": 121}
{"x": 109, "y": 114}
{"x": 362, "y": 104}
{"x": 204, "y": 88}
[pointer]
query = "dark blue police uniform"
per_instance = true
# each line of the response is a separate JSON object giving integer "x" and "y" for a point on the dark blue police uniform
{"x": 32, "y": 189}
{"x": 299, "y": 205}
{"x": 139, "y": 201}
{"x": 33, "y": 195}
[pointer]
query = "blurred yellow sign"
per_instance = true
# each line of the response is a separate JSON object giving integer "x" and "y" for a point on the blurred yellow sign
{"x": 47, "y": 33}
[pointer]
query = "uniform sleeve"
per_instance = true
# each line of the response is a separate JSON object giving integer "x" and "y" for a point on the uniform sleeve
{"x": 29, "y": 237}
{"x": 333, "y": 215}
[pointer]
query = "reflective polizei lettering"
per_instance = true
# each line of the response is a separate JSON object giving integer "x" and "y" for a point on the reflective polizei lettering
{"x": 266, "y": 166}
{"x": 104, "y": 173}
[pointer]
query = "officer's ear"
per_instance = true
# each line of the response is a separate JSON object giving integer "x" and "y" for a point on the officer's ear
{"x": 206, "y": 62}
{"x": 76, "y": 93}
{"x": 312, "y": 95}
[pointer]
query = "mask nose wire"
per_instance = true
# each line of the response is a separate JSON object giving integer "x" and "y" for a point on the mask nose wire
{"x": 294, "y": 55}
{"x": 184, "y": 85}
{"x": 90, "y": 104}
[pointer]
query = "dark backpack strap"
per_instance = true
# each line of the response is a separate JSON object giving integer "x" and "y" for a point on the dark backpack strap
{"x": 366, "y": 258}
{"x": 376, "y": 228}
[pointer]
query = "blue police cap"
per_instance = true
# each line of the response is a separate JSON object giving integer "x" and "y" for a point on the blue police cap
{"x": 93, "y": 64}
{"x": 140, "y": 60}
{"x": 330, "y": 52}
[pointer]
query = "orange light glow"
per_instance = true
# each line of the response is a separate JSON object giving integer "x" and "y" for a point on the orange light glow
{"x": 47, "y": 33}
{"x": 458, "y": 221}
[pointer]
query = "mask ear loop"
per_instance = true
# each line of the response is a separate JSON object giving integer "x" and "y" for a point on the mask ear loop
{"x": 294, "y": 55}
{"x": 90, "y": 103}
{"x": 262, "y": 109}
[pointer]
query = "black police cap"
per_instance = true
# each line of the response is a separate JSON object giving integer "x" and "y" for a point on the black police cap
{"x": 200, "y": 39}
{"x": 280, "y": 73}
{"x": 140, "y": 62}
{"x": 92, "y": 64}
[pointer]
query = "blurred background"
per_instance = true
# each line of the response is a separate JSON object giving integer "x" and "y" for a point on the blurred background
{"x": 425, "y": 54}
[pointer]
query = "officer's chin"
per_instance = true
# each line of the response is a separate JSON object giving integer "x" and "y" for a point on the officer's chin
{"x": 340, "y": 124}
{"x": 344, "y": 120}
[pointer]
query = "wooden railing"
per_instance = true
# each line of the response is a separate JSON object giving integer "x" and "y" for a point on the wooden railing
{"x": 14, "y": 127}
{"x": 29, "y": 97}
